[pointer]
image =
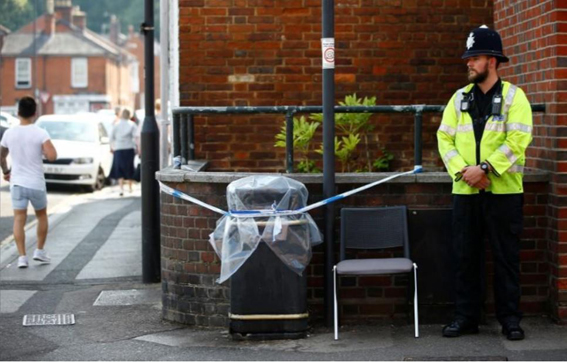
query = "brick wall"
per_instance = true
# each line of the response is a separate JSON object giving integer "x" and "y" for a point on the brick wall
{"x": 11, "y": 94}
{"x": 534, "y": 39}
{"x": 190, "y": 266}
{"x": 267, "y": 52}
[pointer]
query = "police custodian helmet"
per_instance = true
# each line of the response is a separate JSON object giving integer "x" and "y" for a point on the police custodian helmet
{"x": 484, "y": 41}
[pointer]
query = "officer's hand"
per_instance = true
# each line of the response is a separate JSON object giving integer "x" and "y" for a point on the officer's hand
{"x": 472, "y": 175}
{"x": 483, "y": 183}
{"x": 7, "y": 176}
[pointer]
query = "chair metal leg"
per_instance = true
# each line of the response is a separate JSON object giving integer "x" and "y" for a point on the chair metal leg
{"x": 335, "y": 303}
{"x": 415, "y": 302}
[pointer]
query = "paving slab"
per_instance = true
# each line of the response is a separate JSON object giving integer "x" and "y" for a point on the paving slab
{"x": 128, "y": 297}
{"x": 121, "y": 255}
{"x": 12, "y": 300}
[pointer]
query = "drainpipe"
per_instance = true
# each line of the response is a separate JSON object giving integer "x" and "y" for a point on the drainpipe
{"x": 164, "y": 80}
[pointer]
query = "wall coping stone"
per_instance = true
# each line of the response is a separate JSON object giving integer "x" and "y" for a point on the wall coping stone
{"x": 169, "y": 174}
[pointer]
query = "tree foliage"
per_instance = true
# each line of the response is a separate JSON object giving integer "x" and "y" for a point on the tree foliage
{"x": 129, "y": 12}
{"x": 16, "y": 13}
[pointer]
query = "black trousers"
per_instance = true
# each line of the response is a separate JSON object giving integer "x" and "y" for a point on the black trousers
{"x": 500, "y": 218}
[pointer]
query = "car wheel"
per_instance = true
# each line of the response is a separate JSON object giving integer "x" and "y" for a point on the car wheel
{"x": 99, "y": 181}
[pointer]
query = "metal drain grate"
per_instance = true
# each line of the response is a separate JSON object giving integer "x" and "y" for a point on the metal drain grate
{"x": 48, "y": 319}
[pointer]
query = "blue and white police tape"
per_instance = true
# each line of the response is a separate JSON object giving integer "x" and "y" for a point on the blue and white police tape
{"x": 180, "y": 195}
{"x": 274, "y": 212}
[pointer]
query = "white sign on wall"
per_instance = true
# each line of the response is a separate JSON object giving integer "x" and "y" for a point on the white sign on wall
{"x": 328, "y": 49}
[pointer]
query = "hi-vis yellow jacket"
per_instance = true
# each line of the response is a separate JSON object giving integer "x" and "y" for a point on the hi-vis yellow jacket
{"x": 503, "y": 143}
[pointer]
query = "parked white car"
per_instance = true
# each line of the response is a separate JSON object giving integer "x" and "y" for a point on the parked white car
{"x": 7, "y": 121}
{"x": 83, "y": 150}
{"x": 11, "y": 120}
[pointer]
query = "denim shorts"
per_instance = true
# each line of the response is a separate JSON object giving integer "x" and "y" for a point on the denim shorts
{"x": 21, "y": 196}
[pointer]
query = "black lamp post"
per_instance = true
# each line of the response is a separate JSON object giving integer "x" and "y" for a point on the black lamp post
{"x": 328, "y": 58}
{"x": 151, "y": 269}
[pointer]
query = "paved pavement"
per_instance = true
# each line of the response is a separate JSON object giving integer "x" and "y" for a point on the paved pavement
{"x": 56, "y": 194}
{"x": 95, "y": 274}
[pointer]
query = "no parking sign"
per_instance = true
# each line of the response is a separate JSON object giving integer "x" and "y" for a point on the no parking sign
{"x": 328, "y": 48}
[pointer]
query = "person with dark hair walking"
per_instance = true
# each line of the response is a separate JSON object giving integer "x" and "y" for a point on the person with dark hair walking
{"x": 483, "y": 136}
{"x": 27, "y": 145}
{"x": 123, "y": 140}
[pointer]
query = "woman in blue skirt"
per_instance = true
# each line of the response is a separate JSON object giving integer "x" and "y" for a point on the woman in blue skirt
{"x": 123, "y": 140}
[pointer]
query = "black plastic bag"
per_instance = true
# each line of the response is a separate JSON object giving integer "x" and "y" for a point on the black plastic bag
{"x": 138, "y": 173}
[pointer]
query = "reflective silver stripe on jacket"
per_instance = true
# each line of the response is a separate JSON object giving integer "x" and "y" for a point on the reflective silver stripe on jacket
{"x": 464, "y": 128}
{"x": 516, "y": 169}
{"x": 458, "y": 100}
{"x": 447, "y": 129}
{"x": 449, "y": 155}
{"x": 495, "y": 126}
{"x": 509, "y": 99}
{"x": 509, "y": 154}
{"x": 518, "y": 127}
{"x": 501, "y": 127}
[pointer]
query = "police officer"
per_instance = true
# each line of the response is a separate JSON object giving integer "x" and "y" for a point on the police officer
{"x": 484, "y": 133}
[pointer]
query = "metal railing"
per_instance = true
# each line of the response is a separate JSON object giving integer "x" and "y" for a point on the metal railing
{"x": 184, "y": 131}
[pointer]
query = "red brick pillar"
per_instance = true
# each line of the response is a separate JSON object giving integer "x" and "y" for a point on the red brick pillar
{"x": 533, "y": 37}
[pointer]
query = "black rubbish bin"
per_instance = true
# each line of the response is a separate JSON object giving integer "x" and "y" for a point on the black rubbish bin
{"x": 267, "y": 299}
{"x": 268, "y": 291}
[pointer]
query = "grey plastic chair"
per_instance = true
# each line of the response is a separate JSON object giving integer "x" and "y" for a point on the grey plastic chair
{"x": 374, "y": 228}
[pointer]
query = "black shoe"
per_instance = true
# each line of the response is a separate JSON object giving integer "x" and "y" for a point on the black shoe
{"x": 459, "y": 327}
{"x": 513, "y": 331}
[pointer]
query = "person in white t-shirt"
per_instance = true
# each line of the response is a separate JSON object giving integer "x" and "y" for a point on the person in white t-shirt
{"x": 27, "y": 144}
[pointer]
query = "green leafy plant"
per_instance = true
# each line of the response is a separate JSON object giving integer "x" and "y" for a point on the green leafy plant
{"x": 352, "y": 128}
{"x": 307, "y": 166}
{"x": 303, "y": 132}
{"x": 382, "y": 163}
{"x": 353, "y": 123}
{"x": 344, "y": 150}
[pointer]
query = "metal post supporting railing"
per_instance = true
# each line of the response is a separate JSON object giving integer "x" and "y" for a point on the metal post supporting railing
{"x": 183, "y": 137}
{"x": 289, "y": 142}
{"x": 176, "y": 135}
{"x": 418, "y": 121}
{"x": 191, "y": 137}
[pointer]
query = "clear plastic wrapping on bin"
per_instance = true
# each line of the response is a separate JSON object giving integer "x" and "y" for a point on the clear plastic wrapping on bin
{"x": 290, "y": 237}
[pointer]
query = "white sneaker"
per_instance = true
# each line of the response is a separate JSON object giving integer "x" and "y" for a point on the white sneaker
{"x": 23, "y": 261}
{"x": 41, "y": 255}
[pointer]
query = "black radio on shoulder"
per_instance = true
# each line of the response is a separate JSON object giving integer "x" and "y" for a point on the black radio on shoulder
{"x": 466, "y": 102}
{"x": 496, "y": 104}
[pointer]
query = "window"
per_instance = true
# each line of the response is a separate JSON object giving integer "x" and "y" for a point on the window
{"x": 23, "y": 72}
{"x": 79, "y": 73}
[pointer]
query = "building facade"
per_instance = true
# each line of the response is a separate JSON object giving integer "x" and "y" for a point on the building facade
{"x": 65, "y": 65}
{"x": 134, "y": 43}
